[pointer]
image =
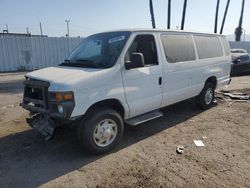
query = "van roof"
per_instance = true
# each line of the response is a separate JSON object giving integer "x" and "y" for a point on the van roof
{"x": 162, "y": 30}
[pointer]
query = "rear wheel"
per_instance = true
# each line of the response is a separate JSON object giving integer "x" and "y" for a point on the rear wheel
{"x": 206, "y": 97}
{"x": 101, "y": 131}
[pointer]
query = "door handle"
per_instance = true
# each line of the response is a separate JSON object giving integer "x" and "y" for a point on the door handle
{"x": 160, "y": 80}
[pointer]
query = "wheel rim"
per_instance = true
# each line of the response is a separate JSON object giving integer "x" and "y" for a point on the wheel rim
{"x": 105, "y": 133}
{"x": 209, "y": 96}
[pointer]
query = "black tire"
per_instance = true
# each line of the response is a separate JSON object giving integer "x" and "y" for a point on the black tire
{"x": 201, "y": 98}
{"x": 88, "y": 125}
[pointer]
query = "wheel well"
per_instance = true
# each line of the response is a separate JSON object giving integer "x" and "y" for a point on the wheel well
{"x": 212, "y": 80}
{"x": 108, "y": 103}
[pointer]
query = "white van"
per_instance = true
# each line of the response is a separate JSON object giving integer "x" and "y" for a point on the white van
{"x": 125, "y": 76}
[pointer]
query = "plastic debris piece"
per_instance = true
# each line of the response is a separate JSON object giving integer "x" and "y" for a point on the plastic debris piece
{"x": 199, "y": 143}
{"x": 179, "y": 149}
{"x": 215, "y": 101}
{"x": 237, "y": 96}
{"x": 224, "y": 170}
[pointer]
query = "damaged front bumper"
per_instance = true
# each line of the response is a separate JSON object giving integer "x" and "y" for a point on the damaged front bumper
{"x": 42, "y": 124}
{"x": 44, "y": 107}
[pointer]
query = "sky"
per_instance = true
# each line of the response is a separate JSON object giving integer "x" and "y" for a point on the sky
{"x": 93, "y": 16}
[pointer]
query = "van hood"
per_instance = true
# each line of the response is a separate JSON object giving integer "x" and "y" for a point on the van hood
{"x": 68, "y": 78}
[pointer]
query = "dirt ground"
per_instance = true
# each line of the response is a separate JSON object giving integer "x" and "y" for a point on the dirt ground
{"x": 147, "y": 155}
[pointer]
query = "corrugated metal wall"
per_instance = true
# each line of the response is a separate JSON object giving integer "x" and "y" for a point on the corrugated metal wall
{"x": 28, "y": 53}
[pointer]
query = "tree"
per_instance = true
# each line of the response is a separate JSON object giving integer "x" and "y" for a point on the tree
{"x": 169, "y": 13}
{"x": 224, "y": 17}
{"x": 183, "y": 14}
{"x": 238, "y": 30}
{"x": 152, "y": 13}
{"x": 216, "y": 16}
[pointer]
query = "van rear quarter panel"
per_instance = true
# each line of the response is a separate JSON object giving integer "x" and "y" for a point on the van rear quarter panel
{"x": 184, "y": 80}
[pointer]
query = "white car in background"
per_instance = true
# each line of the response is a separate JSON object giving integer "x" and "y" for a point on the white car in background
{"x": 236, "y": 52}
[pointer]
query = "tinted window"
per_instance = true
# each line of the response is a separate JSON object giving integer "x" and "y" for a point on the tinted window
{"x": 144, "y": 44}
{"x": 208, "y": 47}
{"x": 226, "y": 45}
{"x": 178, "y": 48}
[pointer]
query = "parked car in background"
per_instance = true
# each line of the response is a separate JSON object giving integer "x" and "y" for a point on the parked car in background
{"x": 237, "y": 53}
{"x": 241, "y": 65}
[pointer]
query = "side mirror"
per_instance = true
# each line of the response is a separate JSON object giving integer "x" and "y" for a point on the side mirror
{"x": 237, "y": 61}
{"x": 136, "y": 61}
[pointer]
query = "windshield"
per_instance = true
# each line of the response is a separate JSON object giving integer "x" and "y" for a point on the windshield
{"x": 98, "y": 51}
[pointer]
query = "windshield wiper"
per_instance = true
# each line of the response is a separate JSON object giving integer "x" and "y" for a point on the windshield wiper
{"x": 81, "y": 63}
{"x": 87, "y": 62}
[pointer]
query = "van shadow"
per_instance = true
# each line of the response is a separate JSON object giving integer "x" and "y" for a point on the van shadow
{"x": 27, "y": 160}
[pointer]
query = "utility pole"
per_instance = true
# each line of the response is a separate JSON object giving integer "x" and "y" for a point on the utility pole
{"x": 67, "y": 21}
{"x": 224, "y": 17}
{"x": 183, "y": 14}
{"x": 41, "y": 29}
{"x": 152, "y": 13}
{"x": 27, "y": 30}
{"x": 216, "y": 16}
{"x": 238, "y": 30}
{"x": 169, "y": 13}
{"x": 6, "y": 30}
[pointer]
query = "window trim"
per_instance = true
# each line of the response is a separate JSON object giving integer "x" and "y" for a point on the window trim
{"x": 211, "y": 36}
{"x": 181, "y": 34}
{"x": 155, "y": 45}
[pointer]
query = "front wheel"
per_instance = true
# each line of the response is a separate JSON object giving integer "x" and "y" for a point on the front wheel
{"x": 206, "y": 97}
{"x": 101, "y": 131}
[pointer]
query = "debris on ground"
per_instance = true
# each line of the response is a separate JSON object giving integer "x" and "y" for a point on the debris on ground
{"x": 232, "y": 96}
{"x": 17, "y": 120}
{"x": 237, "y": 96}
{"x": 215, "y": 101}
{"x": 179, "y": 149}
{"x": 199, "y": 143}
{"x": 26, "y": 146}
{"x": 224, "y": 170}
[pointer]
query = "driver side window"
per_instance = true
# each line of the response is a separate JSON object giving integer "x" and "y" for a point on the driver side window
{"x": 144, "y": 44}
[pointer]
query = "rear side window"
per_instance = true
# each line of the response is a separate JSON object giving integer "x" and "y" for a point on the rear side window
{"x": 178, "y": 48}
{"x": 225, "y": 45}
{"x": 208, "y": 47}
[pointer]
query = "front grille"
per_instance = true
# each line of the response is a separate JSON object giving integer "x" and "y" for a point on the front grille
{"x": 35, "y": 96}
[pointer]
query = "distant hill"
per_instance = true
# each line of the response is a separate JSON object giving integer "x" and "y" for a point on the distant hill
{"x": 232, "y": 37}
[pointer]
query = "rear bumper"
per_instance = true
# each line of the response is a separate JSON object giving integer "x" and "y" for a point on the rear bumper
{"x": 223, "y": 82}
